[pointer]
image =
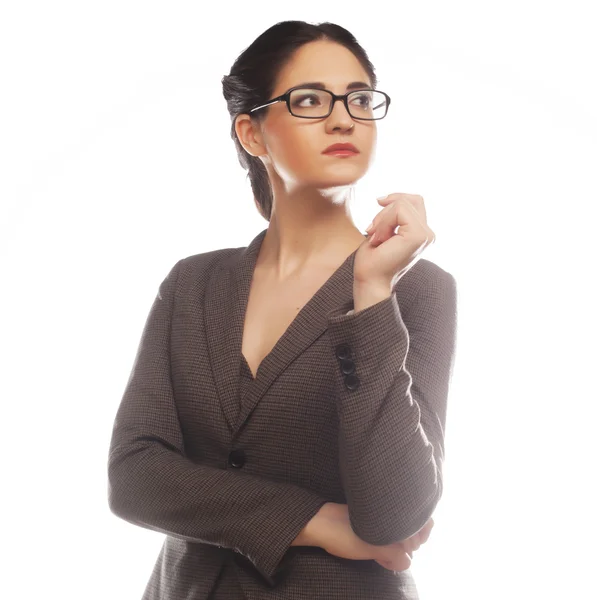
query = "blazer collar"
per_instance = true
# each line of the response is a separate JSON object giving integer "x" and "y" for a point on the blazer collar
{"x": 225, "y": 303}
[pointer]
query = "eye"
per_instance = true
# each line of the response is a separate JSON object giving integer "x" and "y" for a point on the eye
{"x": 362, "y": 100}
{"x": 297, "y": 100}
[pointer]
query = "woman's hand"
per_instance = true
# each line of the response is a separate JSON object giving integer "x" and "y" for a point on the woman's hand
{"x": 410, "y": 545}
{"x": 337, "y": 537}
{"x": 387, "y": 255}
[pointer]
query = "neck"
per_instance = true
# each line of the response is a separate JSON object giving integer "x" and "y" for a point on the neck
{"x": 307, "y": 235}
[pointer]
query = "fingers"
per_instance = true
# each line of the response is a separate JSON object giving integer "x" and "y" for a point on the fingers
{"x": 414, "y": 199}
{"x": 400, "y": 209}
{"x": 401, "y": 563}
{"x": 416, "y": 542}
{"x": 398, "y": 563}
{"x": 382, "y": 226}
{"x": 412, "y": 543}
{"x": 398, "y": 556}
{"x": 426, "y": 531}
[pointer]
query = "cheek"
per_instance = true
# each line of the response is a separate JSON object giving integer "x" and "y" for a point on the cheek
{"x": 293, "y": 149}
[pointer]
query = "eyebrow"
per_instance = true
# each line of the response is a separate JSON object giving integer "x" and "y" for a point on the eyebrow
{"x": 321, "y": 86}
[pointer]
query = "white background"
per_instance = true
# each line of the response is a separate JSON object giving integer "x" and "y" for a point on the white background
{"x": 116, "y": 161}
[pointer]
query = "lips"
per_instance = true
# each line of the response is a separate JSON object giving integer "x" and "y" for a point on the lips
{"x": 340, "y": 147}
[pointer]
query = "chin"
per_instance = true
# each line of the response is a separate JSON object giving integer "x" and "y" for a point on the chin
{"x": 348, "y": 177}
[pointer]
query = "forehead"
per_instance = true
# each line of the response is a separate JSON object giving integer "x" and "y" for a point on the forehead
{"x": 328, "y": 62}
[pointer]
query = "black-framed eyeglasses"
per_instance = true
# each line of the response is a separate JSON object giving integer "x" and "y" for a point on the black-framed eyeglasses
{"x": 313, "y": 103}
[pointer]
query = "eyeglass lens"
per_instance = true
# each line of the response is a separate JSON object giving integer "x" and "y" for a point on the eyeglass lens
{"x": 362, "y": 104}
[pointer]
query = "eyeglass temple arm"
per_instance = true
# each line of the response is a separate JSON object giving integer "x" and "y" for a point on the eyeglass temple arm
{"x": 384, "y": 102}
{"x": 278, "y": 99}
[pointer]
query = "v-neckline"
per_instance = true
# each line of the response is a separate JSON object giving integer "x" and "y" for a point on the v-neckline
{"x": 250, "y": 274}
{"x": 244, "y": 358}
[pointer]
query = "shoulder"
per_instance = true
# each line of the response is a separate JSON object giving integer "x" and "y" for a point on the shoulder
{"x": 205, "y": 261}
{"x": 430, "y": 274}
{"x": 425, "y": 279}
{"x": 196, "y": 269}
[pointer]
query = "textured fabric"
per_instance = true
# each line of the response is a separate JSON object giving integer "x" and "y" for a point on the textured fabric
{"x": 346, "y": 408}
{"x": 227, "y": 586}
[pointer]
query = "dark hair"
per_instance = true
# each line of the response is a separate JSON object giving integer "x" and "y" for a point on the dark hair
{"x": 253, "y": 77}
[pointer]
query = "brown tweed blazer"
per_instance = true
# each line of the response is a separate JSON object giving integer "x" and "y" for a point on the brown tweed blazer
{"x": 346, "y": 408}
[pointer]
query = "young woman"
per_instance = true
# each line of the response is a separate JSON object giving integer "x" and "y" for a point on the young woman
{"x": 283, "y": 423}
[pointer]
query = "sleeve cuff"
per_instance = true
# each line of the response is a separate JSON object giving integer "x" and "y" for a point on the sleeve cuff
{"x": 288, "y": 519}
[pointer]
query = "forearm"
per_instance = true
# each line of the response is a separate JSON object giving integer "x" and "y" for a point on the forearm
{"x": 158, "y": 489}
{"x": 392, "y": 386}
{"x": 154, "y": 484}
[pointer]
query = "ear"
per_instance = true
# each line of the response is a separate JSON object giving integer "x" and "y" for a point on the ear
{"x": 249, "y": 135}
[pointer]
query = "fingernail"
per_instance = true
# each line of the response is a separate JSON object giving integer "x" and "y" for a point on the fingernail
{"x": 369, "y": 228}
{"x": 372, "y": 238}
{"x": 383, "y": 197}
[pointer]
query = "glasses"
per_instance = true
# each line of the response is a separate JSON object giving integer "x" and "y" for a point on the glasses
{"x": 308, "y": 103}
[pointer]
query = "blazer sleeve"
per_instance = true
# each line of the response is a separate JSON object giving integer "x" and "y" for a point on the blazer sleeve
{"x": 391, "y": 393}
{"x": 151, "y": 483}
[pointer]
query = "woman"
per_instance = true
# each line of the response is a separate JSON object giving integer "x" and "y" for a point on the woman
{"x": 283, "y": 423}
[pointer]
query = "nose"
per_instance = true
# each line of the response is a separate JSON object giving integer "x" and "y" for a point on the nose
{"x": 340, "y": 117}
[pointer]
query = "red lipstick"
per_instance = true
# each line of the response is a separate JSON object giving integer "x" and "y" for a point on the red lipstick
{"x": 341, "y": 150}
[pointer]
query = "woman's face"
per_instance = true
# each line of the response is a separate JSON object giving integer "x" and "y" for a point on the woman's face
{"x": 292, "y": 147}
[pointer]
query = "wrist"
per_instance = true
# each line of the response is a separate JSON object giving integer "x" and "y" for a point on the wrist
{"x": 368, "y": 294}
{"x": 312, "y": 532}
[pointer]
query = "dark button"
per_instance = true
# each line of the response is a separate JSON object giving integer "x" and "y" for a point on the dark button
{"x": 352, "y": 382}
{"x": 343, "y": 351}
{"x": 236, "y": 458}
{"x": 347, "y": 366}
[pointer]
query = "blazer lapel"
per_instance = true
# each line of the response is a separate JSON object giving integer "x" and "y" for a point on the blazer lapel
{"x": 225, "y": 302}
